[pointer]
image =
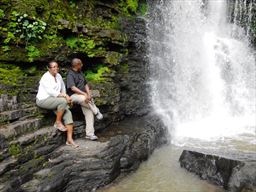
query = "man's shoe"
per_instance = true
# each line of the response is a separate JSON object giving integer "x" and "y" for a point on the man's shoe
{"x": 99, "y": 115}
{"x": 91, "y": 137}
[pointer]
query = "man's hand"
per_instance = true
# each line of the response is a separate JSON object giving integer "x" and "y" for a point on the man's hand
{"x": 87, "y": 97}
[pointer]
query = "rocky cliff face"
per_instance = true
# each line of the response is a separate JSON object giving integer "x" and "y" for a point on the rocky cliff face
{"x": 107, "y": 36}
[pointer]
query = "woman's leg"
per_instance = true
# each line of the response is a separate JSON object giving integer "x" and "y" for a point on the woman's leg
{"x": 68, "y": 121}
{"x": 53, "y": 103}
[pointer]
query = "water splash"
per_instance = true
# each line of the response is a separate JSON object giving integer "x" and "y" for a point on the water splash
{"x": 203, "y": 70}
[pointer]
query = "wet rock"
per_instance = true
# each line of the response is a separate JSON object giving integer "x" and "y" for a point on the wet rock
{"x": 97, "y": 163}
{"x": 244, "y": 178}
{"x": 231, "y": 174}
{"x": 134, "y": 84}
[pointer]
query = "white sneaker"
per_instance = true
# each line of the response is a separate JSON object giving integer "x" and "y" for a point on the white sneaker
{"x": 95, "y": 110}
{"x": 91, "y": 137}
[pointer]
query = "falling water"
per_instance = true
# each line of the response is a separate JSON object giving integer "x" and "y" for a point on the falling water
{"x": 203, "y": 73}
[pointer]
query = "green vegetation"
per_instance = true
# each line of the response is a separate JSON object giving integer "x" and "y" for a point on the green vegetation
{"x": 128, "y": 7}
{"x": 14, "y": 150}
{"x": 85, "y": 45}
{"x": 99, "y": 75}
{"x": 132, "y": 5}
{"x": 1, "y": 14}
{"x": 33, "y": 52}
{"x": 143, "y": 8}
{"x": 23, "y": 27}
{"x": 113, "y": 58}
{"x": 10, "y": 74}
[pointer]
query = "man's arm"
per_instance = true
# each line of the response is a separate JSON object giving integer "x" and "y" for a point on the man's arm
{"x": 77, "y": 91}
{"x": 87, "y": 89}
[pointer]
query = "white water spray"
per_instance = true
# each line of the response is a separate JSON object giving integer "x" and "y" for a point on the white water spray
{"x": 203, "y": 74}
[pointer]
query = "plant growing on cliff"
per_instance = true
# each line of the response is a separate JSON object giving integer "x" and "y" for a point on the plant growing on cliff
{"x": 14, "y": 150}
{"x": 99, "y": 75}
{"x": 128, "y": 6}
{"x": 25, "y": 28}
{"x": 32, "y": 52}
{"x": 10, "y": 74}
{"x": 1, "y": 14}
{"x": 82, "y": 45}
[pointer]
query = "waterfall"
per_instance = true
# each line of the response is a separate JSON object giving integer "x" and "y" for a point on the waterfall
{"x": 203, "y": 71}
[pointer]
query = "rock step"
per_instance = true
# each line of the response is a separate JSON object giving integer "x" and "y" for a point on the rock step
{"x": 89, "y": 158}
{"x": 17, "y": 114}
{"x": 20, "y": 127}
{"x": 7, "y": 165}
{"x": 30, "y": 140}
{"x": 34, "y": 137}
{"x": 30, "y": 153}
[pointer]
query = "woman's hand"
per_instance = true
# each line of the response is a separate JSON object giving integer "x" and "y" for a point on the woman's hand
{"x": 62, "y": 95}
{"x": 69, "y": 100}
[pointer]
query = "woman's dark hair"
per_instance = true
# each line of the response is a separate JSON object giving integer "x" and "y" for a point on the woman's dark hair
{"x": 50, "y": 63}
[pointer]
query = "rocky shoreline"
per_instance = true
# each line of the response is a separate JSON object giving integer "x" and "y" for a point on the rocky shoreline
{"x": 38, "y": 160}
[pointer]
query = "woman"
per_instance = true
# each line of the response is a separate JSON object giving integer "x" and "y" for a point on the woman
{"x": 52, "y": 96}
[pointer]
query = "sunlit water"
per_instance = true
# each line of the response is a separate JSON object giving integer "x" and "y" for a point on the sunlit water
{"x": 203, "y": 73}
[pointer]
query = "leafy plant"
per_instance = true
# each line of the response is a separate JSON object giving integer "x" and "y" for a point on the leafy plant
{"x": 132, "y": 5}
{"x": 99, "y": 75}
{"x": 26, "y": 28}
{"x": 128, "y": 6}
{"x": 33, "y": 52}
{"x": 5, "y": 48}
{"x": 81, "y": 44}
{"x": 1, "y": 14}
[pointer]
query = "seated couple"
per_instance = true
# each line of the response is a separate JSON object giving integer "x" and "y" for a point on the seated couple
{"x": 52, "y": 95}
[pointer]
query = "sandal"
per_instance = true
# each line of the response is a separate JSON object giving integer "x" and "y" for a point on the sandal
{"x": 72, "y": 144}
{"x": 61, "y": 128}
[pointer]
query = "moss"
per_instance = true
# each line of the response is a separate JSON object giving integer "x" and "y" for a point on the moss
{"x": 143, "y": 8}
{"x": 1, "y": 157}
{"x": 14, "y": 150}
{"x": 124, "y": 68}
{"x": 113, "y": 58}
{"x": 10, "y": 74}
{"x": 62, "y": 39}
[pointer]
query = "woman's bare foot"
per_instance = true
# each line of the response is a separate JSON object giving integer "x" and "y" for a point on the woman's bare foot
{"x": 72, "y": 143}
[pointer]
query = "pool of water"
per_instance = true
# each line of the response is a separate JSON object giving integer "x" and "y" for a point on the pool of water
{"x": 162, "y": 172}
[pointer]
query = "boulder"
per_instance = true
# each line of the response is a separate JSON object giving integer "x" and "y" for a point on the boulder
{"x": 231, "y": 174}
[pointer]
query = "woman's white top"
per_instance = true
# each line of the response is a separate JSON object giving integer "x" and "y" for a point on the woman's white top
{"x": 49, "y": 87}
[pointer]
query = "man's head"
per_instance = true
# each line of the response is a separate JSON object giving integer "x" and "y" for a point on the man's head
{"x": 77, "y": 64}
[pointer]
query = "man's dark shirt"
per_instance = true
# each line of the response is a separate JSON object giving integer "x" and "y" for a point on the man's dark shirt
{"x": 76, "y": 79}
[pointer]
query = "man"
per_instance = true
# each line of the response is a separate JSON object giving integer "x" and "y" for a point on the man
{"x": 80, "y": 93}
